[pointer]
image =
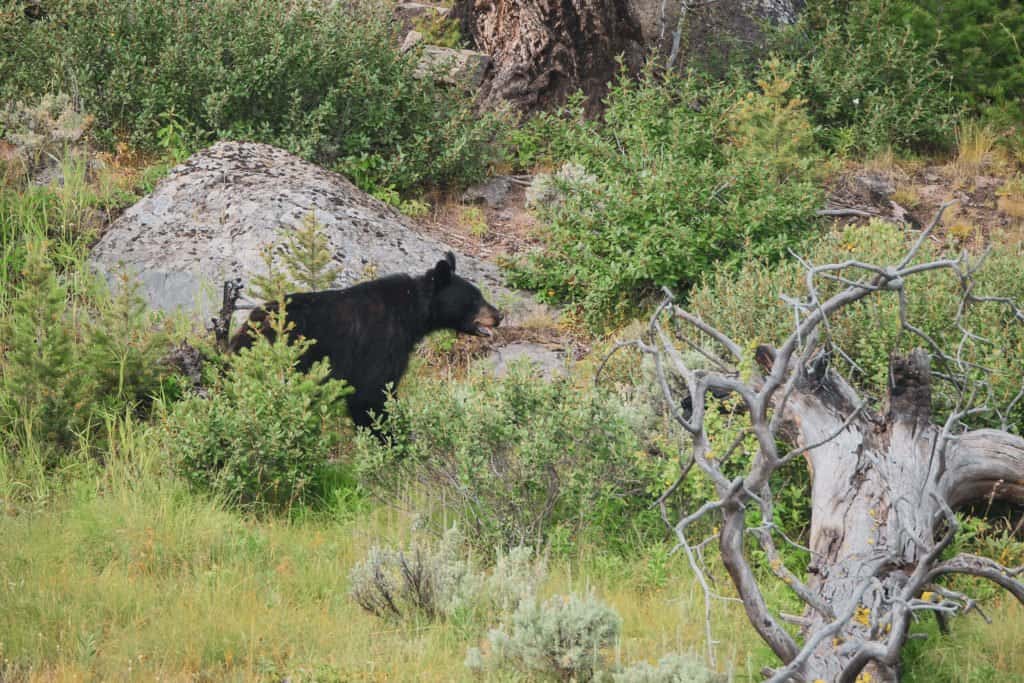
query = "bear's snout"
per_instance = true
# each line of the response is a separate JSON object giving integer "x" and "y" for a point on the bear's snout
{"x": 486, "y": 318}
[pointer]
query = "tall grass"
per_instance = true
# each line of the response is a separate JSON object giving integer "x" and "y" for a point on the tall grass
{"x": 975, "y": 143}
{"x": 120, "y": 573}
{"x": 129, "y": 576}
{"x": 68, "y": 213}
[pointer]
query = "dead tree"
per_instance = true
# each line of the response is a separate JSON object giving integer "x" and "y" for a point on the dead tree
{"x": 886, "y": 479}
{"x": 545, "y": 50}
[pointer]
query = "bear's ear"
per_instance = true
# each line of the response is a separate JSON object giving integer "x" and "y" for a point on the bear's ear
{"x": 443, "y": 274}
{"x": 450, "y": 258}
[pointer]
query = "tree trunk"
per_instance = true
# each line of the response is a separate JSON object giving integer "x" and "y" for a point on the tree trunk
{"x": 544, "y": 50}
{"x": 882, "y": 490}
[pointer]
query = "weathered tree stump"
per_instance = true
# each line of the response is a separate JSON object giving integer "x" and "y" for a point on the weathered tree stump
{"x": 884, "y": 483}
{"x": 544, "y": 50}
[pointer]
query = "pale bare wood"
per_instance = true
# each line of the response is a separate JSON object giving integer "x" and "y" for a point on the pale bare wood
{"x": 884, "y": 483}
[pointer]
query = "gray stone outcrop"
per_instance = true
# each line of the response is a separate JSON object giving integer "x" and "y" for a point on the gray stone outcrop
{"x": 210, "y": 218}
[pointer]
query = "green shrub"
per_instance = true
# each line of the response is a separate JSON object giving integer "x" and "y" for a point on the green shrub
{"x": 69, "y": 361}
{"x": 519, "y": 460}
{"x": 772, "y": 126}
{"x": 562, "y": 637}
{"x": 671, "y": 198}
{"x": 869, "y": 83}
{"x": 439, "y": 29}
{"x": 301, "y": 262}
{"x": 266, "y": 431}
{"x": 42, "y": 380}
{"x": 982, "y": 44}
{"x": 323, "y": 80}
{"x": 748, "y": 308}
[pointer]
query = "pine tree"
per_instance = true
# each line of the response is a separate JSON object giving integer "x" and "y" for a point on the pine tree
{"x": 306, "y": 263}
{"x": 123, "y": 350}
{"x": 40, "y": 387}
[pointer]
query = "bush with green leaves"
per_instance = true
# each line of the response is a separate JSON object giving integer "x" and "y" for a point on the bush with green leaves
{"x": 323, "y": 80}
{"x": 266, "y": 431}
{"x": 748, "y": 307}
{"x": 981, "y": 42}
{"x": 520, "y": 460}
{"x": 870, "y": 82}
{"x": 563, "y": 637}
{"x": 68, "y": 360}
{"x": 686, "y": 180}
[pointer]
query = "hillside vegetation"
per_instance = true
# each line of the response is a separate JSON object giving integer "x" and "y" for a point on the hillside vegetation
{"x": 490, "y": 528}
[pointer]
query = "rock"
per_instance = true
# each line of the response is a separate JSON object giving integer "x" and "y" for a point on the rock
{"x": 879, "y": 186}
{"x": 491, "y": 192}
{"x": 550, "y": 362}
{"x": 412, "y": 39}
{"x": 408, "y": 13}
{"x": 464, "y": 68}
{"x": 209, "y": 219}
{"x": 547, "y": 188}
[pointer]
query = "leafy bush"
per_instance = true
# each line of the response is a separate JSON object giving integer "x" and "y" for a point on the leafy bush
{"x": 266, "y": 431}
{"x": 868, "y": 81}
{"x": 982, "y": 44}
{"x": 519, "y": 461}
{"x": 323, "y": 80}
{"x": 68, "y": 362}
{"x": 670, "y": 669}
{"x": 561, "y": 637}
{"x": 671, "y": 199}
{"x": 748, "y": 308}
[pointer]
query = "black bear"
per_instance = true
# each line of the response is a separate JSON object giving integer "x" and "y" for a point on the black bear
{"x": 368, "y": 331}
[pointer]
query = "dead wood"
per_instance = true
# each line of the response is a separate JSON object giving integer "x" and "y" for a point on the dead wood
{"x": 885, "y": 478}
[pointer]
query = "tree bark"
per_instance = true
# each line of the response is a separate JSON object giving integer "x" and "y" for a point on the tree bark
{"x": 544, "y": 50}
{"x": 882, "y": 490}
{"x": 884, "y": 485}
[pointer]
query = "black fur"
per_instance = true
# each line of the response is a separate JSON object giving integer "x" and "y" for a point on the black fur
{"x": 368, "y": 331}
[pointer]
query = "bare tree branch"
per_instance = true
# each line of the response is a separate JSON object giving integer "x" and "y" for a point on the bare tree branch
{"x": 884, "y": 483}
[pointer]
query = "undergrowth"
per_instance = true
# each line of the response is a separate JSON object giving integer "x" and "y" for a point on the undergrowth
{"x": 323, "y": 80}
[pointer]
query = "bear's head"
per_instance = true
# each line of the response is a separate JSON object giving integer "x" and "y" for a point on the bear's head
{"x": 457, "y": 304}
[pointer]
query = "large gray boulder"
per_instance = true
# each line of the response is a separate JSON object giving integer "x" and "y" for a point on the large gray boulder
{"x": 210, "y": 218}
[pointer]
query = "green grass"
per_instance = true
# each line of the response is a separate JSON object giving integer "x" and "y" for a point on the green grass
{"x": 69, "y": 214}
{"x": 132, "y": 577}
{"x": 120, "y": 573}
